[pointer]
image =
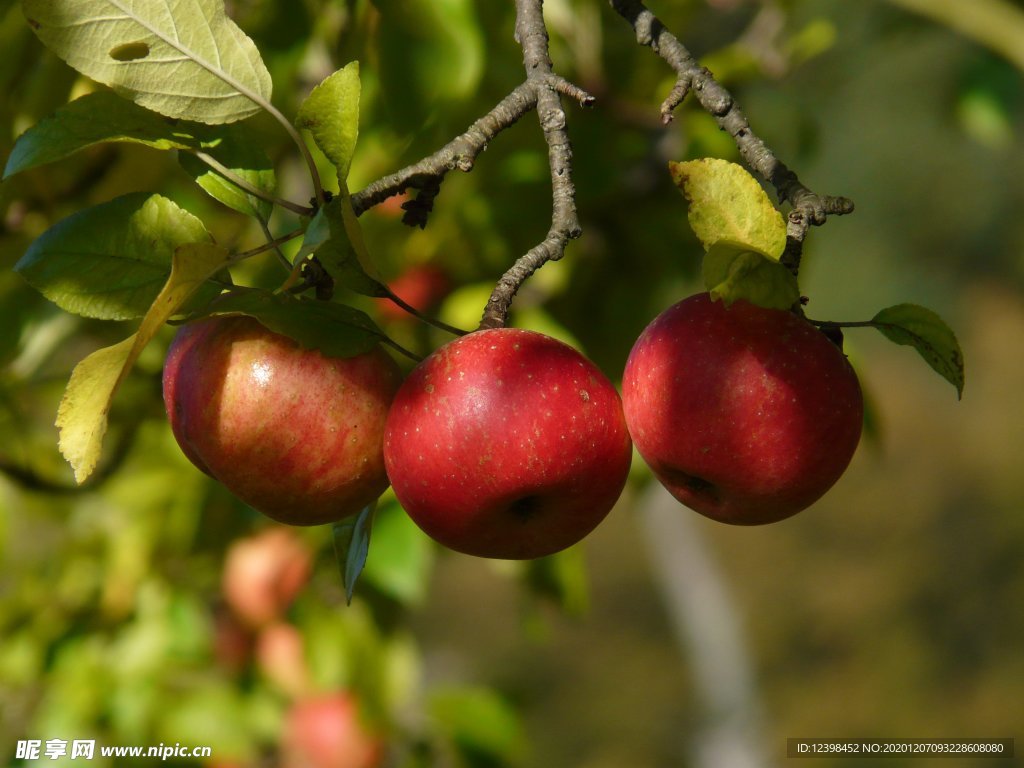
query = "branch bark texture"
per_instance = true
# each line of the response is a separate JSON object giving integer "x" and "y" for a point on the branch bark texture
{"x": 541, "y": 91}
{"x": 808, "y": 207}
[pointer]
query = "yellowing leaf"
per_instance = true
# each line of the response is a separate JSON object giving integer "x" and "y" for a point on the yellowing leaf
{"x": 331, "y": 114}
{"x": 733, "y": 271}
{"x": 727, "y": 203}
{"x": 82, "y": 414}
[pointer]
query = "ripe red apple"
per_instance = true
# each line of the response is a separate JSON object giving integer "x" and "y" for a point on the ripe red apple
{"x": 747, "y": 415}
{"x": 293, "y": 433}
{"x": 506, "y": 443}
{"x": 326, "y": 732}
{"x": 263, "y": 573}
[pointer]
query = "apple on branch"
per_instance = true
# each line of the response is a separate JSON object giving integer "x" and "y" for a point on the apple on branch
{"x": 747, "y": 415}
{"x": 290, "y": 431}
{"x": 506, "y": 443}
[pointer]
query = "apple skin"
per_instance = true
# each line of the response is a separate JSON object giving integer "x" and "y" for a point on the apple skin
{"x": 263, "y": 573}
{"x": 325, "y": 732}
{"x": 293, "y": 433}
{"x": 746, "y": 415}
{"x": 506, "y": 443}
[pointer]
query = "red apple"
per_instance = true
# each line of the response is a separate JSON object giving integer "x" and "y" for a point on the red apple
{"x": 263, "y": 573}
{"x": 290, "y": 431}
{"x": 747, "y": 415}
{"x": 421, "y": 286}
{"x": 506, "y": 443}
{"x": 326, "y": 732}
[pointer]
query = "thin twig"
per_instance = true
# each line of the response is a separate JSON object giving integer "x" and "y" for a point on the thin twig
{"x": 532, "y": 35}
{"x": 460, "y": 153}
{"x": 253, "y": 190}
{"x": 808, "y": 208}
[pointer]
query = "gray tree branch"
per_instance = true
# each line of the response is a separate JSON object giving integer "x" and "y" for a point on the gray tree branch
{"x": 532, "y": 35}
{"x": 808, "y": 207}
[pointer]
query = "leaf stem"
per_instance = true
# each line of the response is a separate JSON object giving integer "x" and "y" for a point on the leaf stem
{"x": 277, "y": 241}
{"x": 238, "y": 181}
{"x": 292, "y": 131}
{"x": 400, "y": 349}
{"x": 440, "y": 324}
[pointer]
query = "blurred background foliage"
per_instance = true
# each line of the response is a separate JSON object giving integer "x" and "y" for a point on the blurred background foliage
{"x": 891, "y": 608}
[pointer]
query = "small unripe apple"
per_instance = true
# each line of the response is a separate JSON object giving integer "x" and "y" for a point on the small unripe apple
{"x": 293, "y": 433}
{"x": 263, "y": 573}
{"x": 326, "y": 732}
{"x": 506, "y": 443}
{"x": 747, "y": 415}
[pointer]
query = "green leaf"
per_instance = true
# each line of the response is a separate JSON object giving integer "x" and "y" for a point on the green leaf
{"x": 338, "y": 254}
{"x": 732, "y": 271}
{"x": 727, "y": 203}
{"x": 352, "y": 545}
{"x": 336, "y": 330}
{"x": 926, "y": 332}
{"x": 481, "y": 724}
{"x": 182, "y": 59}
{"x": 93, "y": 119}
{"x": 82, "y": 414}
{"x": 331, "y": 114}
{"x": 237, "y": 151}
{"x": 110, "y": 261}
{"x": 402, "y": 555}
{"x": 431, "y": 52}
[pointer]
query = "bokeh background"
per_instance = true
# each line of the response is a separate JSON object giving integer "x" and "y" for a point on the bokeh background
{"x": 892, "y": 608}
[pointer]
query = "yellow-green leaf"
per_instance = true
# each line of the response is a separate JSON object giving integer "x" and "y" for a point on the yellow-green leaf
{"x": 732, "y": 271}
{"x": 331, "y": 114}
{"x": 727, "y": 203}
{"x": 82, "y": 414}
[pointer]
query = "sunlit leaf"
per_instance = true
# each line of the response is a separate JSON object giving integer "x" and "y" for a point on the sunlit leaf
{"x": 727, "y": 203}
{"x": 331, "y": 114}
{"x": 239, "y": 152}
{"x": 98, "y": 117}
{"x": 732, "y": 271}
{"x": 926, "y": 332}
{"x": 181, "y": 58}
{"x": 82, "y": 414}
{"x": 110, "y": 261}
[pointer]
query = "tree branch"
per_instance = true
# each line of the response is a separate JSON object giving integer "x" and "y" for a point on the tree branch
{"x": 808, "y": 208}
{"x": 459, "y": 153}
{"x": 532, "y": 36}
